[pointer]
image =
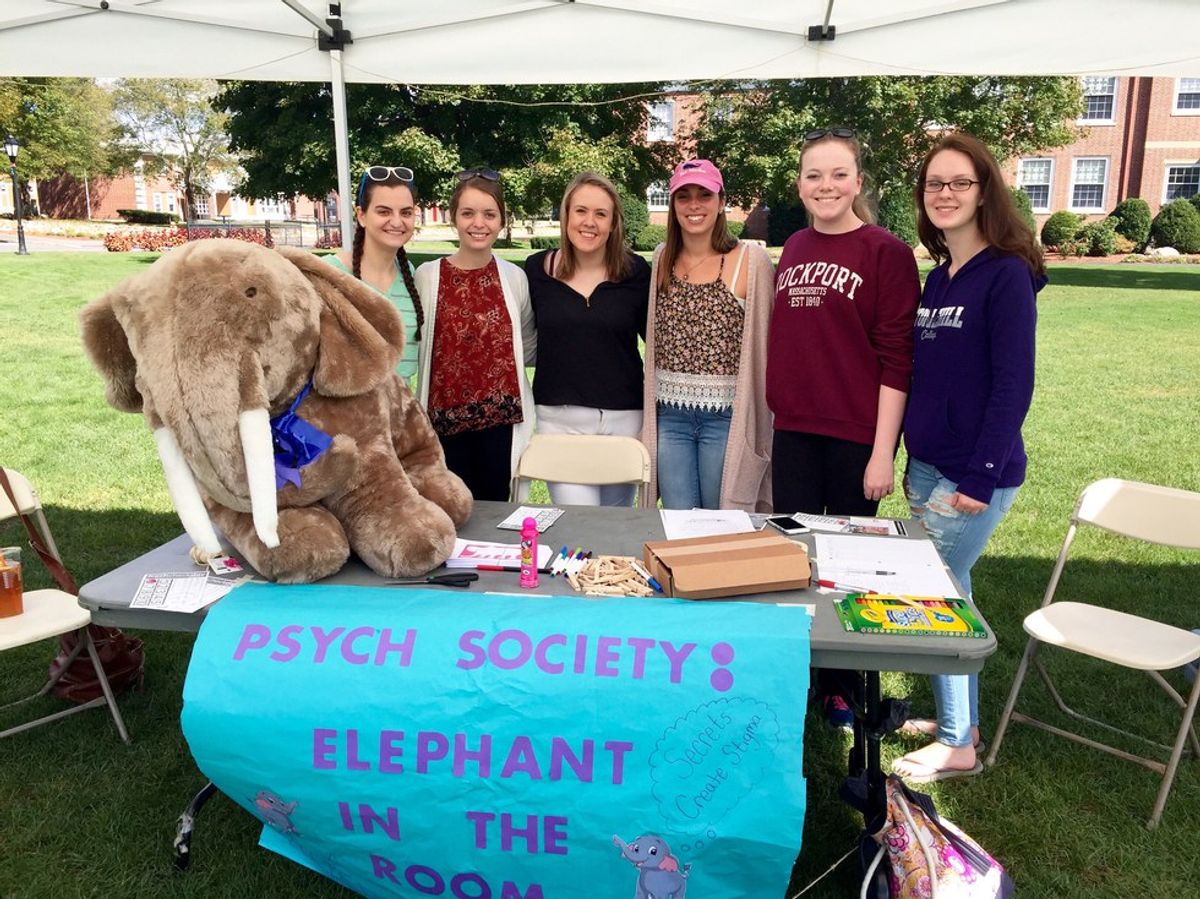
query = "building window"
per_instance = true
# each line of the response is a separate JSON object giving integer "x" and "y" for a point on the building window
{"x": 1099, "y": 100}
{"x": 157, "y": 202}
{"x": 201, "y": 207}
{"x": 1182, "y": 181}
{"x": 660, "y": 124}
{"x": 1187, "y": 96}
{"x": 170, "y": 202}
{"x": 1088, "y": 184}
{"x": 658, "y": 197}
{"x": 1035, "y": 177}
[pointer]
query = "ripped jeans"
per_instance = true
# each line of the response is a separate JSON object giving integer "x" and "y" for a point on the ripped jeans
{"x": 960, "y": 538}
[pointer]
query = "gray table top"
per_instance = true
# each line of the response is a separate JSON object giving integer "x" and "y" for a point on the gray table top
{"x": 616, "y": 531}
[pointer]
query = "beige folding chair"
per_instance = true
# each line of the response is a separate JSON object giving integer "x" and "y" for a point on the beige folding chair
{"x": 49, "y": 613}
{"x": 1144, "y": 512}
{"x": 590, "y": 459}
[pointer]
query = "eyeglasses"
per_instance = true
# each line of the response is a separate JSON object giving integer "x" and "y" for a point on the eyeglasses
{"x": 958, "y": 185}
{"x": 382, "y": 173}
{"x": 839, "y": 131}
{"x": 485, "y": 174}
{"x": 688, "y": 166}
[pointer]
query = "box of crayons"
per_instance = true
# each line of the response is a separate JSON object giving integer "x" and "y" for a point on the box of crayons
{"x": 877, "y": 613}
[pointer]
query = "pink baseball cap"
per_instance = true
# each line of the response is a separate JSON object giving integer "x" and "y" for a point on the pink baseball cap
{"x": 697, "y": 171}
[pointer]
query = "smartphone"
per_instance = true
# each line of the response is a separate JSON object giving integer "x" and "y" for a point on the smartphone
{"x": 787, "y": 524}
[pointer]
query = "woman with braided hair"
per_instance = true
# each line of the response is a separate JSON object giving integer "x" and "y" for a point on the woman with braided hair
{"x": 385, "y": 210}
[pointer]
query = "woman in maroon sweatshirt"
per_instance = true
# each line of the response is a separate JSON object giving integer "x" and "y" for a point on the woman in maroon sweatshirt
{"x": 839, "y": 356}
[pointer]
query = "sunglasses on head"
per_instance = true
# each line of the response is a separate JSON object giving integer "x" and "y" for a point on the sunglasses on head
{"x": 840, "y": 131}
{"x": 485, "y": 174}
{"x": 383, "y": 173}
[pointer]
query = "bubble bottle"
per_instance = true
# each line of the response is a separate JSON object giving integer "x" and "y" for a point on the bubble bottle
{"x": 529, "y": 538}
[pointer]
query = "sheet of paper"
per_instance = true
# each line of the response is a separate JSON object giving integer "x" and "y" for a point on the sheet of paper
{"x": 822, "y": 522}
{"x": 883, "y": 564}
{"x": 883, "y": 527}
{"x": 544, "y": 518}
{"x": 679, "y": 524}
{"x": 477, "y": 553}
{"x": 180, "y": 591}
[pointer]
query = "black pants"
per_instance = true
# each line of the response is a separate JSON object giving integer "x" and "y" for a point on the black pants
{"x": 483, "y": 459}
{"x": 819, "y": 475}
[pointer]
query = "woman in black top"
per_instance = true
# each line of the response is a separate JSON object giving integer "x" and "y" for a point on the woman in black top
{"x": 589, "y": 300}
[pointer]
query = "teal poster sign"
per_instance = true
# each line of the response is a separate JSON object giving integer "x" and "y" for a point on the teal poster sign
{"x": 433, "y": 743}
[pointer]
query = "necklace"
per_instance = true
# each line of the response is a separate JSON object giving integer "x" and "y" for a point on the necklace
{"x": 686, "y": 275}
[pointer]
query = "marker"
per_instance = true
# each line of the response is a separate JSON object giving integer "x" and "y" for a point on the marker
{"x": 842, "y": 588}
{"x": 637, "y": 566}
{"x": 491, "y": 568}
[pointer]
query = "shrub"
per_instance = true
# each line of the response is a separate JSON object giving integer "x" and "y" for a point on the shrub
{"x": 637, "y": 216}
{"x": 650, "y": 237}
{"x": 1098, "y": 238}
{"x": 1131, "y": 219}
{"x": 329, "y": 240}
{"x": 1124, "y": 244}
{"x": 147, "y": 217}
{"x": 736, "y": 229}
{"x": 1024, "y": 208}
{"x": 782, "y": 222}
{"x": 118, "y": 241}
{"x": 1073, "y": 247}
{"x": 1059, "y": 228}
{"x": 1177, "y": 225}
{"x": 545, "y": 243}
{"x": 896, "y": 213}
{"x": 1194, "y": 199}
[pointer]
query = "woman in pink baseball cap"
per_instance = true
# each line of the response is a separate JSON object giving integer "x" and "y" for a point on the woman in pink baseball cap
{"x": 709, "y": 435}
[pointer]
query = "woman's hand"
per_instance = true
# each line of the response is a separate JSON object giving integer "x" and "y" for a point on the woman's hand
{"x": 880, "y": 477}
{"x": 965, "y": 504}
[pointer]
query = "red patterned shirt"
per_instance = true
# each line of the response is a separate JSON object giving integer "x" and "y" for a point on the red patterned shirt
{"x": 473, "y": 379}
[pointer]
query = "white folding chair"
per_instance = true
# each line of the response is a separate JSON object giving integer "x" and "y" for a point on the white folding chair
{"x": 49, "y": 613}
{"x": 1145, "y": 512}
{"x": 596, "y": 460}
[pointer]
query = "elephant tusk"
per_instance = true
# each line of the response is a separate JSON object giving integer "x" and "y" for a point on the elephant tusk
{"x": 185, "y": 495}
{"x": 254, "y": 426}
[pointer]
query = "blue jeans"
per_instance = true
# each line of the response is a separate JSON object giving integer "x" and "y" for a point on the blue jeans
{"x": 691, "y": 456}
{"x": 960, "y": 538}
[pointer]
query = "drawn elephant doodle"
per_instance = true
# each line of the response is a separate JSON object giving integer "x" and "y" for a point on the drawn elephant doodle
{"x": 659, "y": 873}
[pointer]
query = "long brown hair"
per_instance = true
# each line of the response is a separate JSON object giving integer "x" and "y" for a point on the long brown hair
{"x": 616, "y": 257}
{"x": 861, "y": 206}
{"x": 722, "y": 240}
{"x": 997, "y": 217}
{"x": 360, "y": 237}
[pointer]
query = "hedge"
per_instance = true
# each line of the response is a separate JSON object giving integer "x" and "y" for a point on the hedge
{"x": 1177, "y": 225}
{"x": 1059, "y": 228}
{"x": 147, "y": 217}
{"x": 1131, "y": 219}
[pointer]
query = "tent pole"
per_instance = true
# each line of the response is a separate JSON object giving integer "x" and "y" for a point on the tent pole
{"x": 342, "y": 149}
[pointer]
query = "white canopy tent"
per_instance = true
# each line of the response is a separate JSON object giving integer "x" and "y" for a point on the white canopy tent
{"x": 569, "y": 41}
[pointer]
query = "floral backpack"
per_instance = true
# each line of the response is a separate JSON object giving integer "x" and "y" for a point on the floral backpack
{"x": 928, "y": 856}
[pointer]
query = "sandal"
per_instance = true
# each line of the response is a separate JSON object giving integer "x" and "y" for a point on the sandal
{"x": 910, "y": 729}
{"x": 931, "y": 775}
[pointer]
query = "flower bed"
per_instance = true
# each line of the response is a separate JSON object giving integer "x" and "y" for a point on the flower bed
{"x": 159, "y": 239}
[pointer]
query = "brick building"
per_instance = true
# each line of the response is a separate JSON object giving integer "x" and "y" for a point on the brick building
{"x": 1141, "y": 138}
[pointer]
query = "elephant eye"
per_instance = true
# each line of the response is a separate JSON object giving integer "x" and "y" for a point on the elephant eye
{"x": 653, "y": 850}
{"x": 251, "y": 291}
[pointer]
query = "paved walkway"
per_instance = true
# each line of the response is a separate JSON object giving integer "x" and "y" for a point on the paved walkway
{"x": 37, "y": 243}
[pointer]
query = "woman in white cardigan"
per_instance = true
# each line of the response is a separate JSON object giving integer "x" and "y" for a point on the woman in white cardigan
{"x": 471, "y": 371}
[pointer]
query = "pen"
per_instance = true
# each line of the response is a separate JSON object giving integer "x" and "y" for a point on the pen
{"x": 637, "y": 566}
{"x": 842, "y": 588}
{"x": 491, "y": 568}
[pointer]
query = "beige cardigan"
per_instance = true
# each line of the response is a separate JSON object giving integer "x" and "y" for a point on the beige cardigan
{"x": 520, "y": 316}
{"x": 746, "y": 477}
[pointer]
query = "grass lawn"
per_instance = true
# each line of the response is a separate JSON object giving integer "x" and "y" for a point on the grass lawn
{"x": 1118, "y": 394}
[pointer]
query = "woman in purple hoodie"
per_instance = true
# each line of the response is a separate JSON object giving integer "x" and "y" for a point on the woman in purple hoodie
{"x": 972, "y": 385}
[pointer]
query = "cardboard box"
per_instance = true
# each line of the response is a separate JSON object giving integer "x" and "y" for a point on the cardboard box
{"x": 727, "y": 565}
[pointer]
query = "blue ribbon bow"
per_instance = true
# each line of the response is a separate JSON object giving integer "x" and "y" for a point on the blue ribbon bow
{"x": 297, "y": 442}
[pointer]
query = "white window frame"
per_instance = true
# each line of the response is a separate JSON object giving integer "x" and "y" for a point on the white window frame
{"x": 654, "y": 132}
{"x": 662, "y": 188}
{"x": 1049, "y": 183}
{"x": 1175, "y": 110}
{"x": 1075, "y": 160}
{"x": 158, "y": 201}
{"x": 1177, "y": 164}
{"x": 201, "y": 211}
{"x": 1083, "y": 119}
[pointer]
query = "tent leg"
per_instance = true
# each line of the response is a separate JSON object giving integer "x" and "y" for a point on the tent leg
{"x": 342, "y": 148}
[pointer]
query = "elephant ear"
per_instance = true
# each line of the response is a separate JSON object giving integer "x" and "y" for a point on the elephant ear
{"x": 108, "y": 347}
{"x": 362, "y": 335}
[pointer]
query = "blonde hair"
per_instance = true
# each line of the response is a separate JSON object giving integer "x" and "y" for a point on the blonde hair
{"x": 616, "y": 256}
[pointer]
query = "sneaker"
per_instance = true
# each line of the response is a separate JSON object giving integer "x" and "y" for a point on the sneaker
{"x": 837, "y": 713}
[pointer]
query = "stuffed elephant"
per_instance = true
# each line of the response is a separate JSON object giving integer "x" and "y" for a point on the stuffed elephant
{"x": 267, "y": 377}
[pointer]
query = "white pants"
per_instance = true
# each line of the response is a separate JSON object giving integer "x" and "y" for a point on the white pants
{"x": 586, "y": 420}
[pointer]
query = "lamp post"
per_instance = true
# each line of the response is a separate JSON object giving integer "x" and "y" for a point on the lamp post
{"x": 12, "y": 147}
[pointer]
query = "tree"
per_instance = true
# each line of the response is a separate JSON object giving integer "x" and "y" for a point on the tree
{"x": 64, "y": 126}
{"x": 754, "y": 131}
{"x": 283, "y": 133}
{"x": 173, "y": 120}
